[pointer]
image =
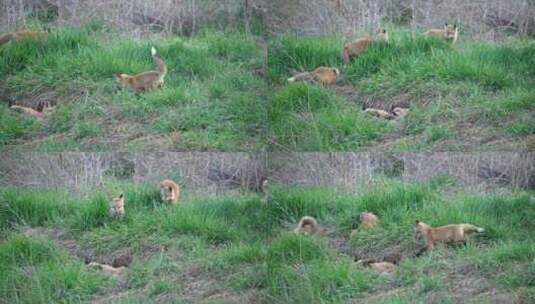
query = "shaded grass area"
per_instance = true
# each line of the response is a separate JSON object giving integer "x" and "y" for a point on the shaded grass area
{"x": 211, "y": 99}
{"x": 483, "y": 87}
{"x": 237, "y": 247}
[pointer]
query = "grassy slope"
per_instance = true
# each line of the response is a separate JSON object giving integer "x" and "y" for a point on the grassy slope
{"x": 211, "y": 99}
{"x": 237, "y": 247}
{"x": 474, "y": 96}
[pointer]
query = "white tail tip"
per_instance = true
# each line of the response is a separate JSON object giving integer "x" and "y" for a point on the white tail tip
{"x": 480, "y": 230}
{"x": 153, "y": 51}
{"x": 291, "y": 79}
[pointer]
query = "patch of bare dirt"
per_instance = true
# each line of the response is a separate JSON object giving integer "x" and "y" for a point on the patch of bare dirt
{"x": 352, "y": 94}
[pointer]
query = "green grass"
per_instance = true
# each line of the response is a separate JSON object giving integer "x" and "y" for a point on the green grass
{"x": 220, "y": 94}
{"x": 211, "y": 99}
{"x": 485, "y": 87}
{"x": 237, "y": 243}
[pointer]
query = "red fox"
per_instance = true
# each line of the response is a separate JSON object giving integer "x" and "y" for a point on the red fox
{"x": 21, "y": 34}
{"x": 355, "y": 48}
{"x": 117, "y": 207}
{"x": 449, "y": 33}
{"x": 169, "y": 191}
{"x": 368, "y": 220}
{"x": 146, "y": 81}
{"x": 324, "y": 75}
{"x": 307, "y": 225}
{"x": 34, "y": 113}
{"x": 107, "y": 269}
{"x": 453, "y": 232}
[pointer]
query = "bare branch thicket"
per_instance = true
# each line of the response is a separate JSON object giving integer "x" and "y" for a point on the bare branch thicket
{"x": 213, "y": 173}
{"x": 487, "y": 19}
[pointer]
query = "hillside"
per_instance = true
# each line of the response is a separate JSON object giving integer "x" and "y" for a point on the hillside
{"x": 236, "y": 248}
{"x": 212, "y": 99}
{"x": 220, "y": 95}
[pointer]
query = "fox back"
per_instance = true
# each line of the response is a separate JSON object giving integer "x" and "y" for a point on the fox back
{"x": 169, "y": 191}
{"x": 146, "y": 81}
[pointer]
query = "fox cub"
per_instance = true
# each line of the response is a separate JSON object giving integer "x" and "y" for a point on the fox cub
{"x": 307, "y": 225}
{"x": 40, "y": 115}
{"x": 448, "y": 233}
{"x": 146, "y": 81}
{"x": 324, "y": 75}
{"x": 450, "y": 32}
{"x": 354, "y": 49}
{"x": 117, "y": 207}
{"x": 21, "y": 34}
{"x": 169, "y": 191}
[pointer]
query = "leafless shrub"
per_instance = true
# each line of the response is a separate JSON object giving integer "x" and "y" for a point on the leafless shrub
{"x": 484, "y": 19}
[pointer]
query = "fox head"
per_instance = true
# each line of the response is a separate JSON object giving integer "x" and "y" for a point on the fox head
{"x": 450, "y": 31}
{"x": 421, "y": 227}
{"x": 118, "y": 202}
{"x": 382, "y": 35}
{"x": 165, "y": 192}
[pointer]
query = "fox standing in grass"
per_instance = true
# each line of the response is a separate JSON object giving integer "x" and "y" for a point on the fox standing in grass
{"x": 324, "y": 75}
{"x": 354, "y": 49}
{"x": 117, "y": 207}
{"x": 307, "y": 225}
{"x": 169, "y": 191}
{"x": 448, "y": 233}
{"x": 21, "y": 34}
{"x": 450, "y": 32}
{"x": 146, "y": 81}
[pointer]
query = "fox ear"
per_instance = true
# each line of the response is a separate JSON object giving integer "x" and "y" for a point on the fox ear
{"x": 446, "y": 24}
{"x": 121, "y": 195}
{"x": 417, "y": 222}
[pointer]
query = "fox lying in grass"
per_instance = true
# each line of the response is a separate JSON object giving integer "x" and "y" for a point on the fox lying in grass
{"x": 40, "y": 115}
{"x": 117, "y": 207}
{"x": 21, "y": 34}
{"x": 146, "y": 81}
{"x": 107, "y": 269}
{"x": 324, "y": 75}
{"x": 450, "y": 32}
{"x": 354, "y": 49}
{"x": 169, "y": 191}
{"x": 448, "y": 233}
{"x": 307, "y": 225}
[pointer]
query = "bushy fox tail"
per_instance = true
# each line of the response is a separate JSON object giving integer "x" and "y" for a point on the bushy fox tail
{"x": 469, "y": 227}
{"x": 301, "y": 77}
{"x": 6, "y": 38}
{"x": 162, "y": 67}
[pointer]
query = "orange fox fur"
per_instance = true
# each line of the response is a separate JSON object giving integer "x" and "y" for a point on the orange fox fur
{"x": 325, "y": 75}
{"x": 117, "y": 207}
{"x": 368, "y": 220}
{"x": 354, "y": 49}
{"x": 169, "y": 191}
{"x": 450, "y": 32}
{"x": 448, "y": 233}
{"x": 307, "y": 225}
{"x": 146, "y": 81}
{"x": 19, "y": 35}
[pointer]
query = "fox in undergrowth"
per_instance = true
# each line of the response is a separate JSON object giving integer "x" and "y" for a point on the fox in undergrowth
{"x": 450, "y": 32}
{"x": 354, "y": 49}
{"x": 307, "y": 225}
{"x": 146, "y": 81}
{"x": 117, "y": 207}
{"x": 324, "y": 75}
{"x": 169, "y": 191}
{"x": 448, "y": 233}
{"x": 21, "y": 34}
